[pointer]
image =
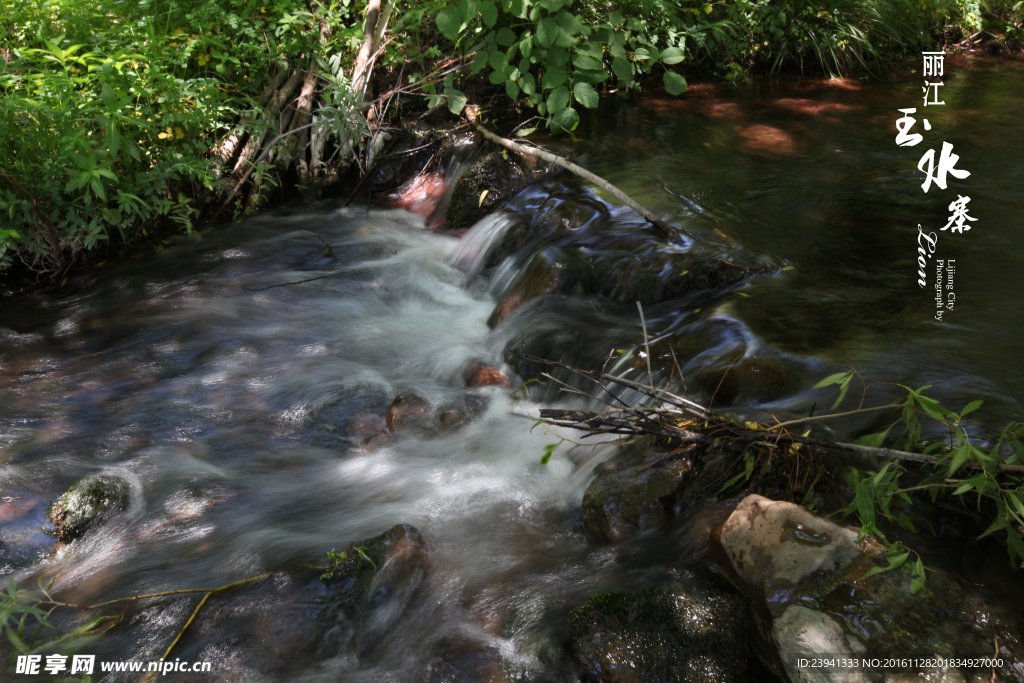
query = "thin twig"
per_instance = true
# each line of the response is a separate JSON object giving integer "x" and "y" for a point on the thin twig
{"x": 180, "y": 591}
{"x": 668, "y": 397}
{"x": 828, "y": 417}
{"x": 647, "y": 348}
{"x": 152, "y": 674}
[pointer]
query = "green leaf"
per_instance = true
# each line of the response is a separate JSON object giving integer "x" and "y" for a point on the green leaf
{"x": 479, "y": 61}
{"x": 873, "y": 440}
{"x": 674, "y": 83}
{"x": 497, "y": 77}
{"x": 506, "y": 37}
{"x": 498, "y": 60}
{"x": 108, "y": 97}
{"x": 558, "y": 99}
{"x": 732, "y": 481}
{"x": 511, "y": 89}
{"x": 97, "y": 188}
{"x": 591, "y": 49}
{"x": 622, "y": 68}
{"x": 568, "y": 23}
{"x": 449, "y": 21}
{"x": 932, "y": 407}
{"x": 999, "y": 523}
{"x": 970, "y": 408}
{"x": 468, "y": 10}
{"x": 671, "y": 55}
{"x": 528, "y": 83}
{"x": 526, "y": 45}
{"x": 961, "y": 455}
{"x": 585, "y": 94}
{"x": 917, "y": 575}
{"x": 583, "y": 61}
{"x": 565, "y": 121}
{"x": 489, "y": 13}
{"x": 592, "y": 77}
{"x": 865, "y": 502}
{"x": 1015, "y": 499}
{"x": 456, "y": 101}
{"x": 558, "y": 58}
{"x": 547, "y": 31}
{"x": 517, "y": 8}
{"x": 548, "y": 451}
{"x": 894, "y": 562}
{"x": 1015, "y": 542}
{"x": 617, "y": 50}
{"x": 832, "y": 379}
{"x": 552, "y": 79}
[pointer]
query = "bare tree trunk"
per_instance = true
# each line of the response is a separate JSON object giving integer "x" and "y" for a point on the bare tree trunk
{"x": 296, "y": 142}
{"x": 316, "y": 151}
{"x": 373, "y": 33}
{"x": 252, "y": 148}
{"x": 225, "y": 151}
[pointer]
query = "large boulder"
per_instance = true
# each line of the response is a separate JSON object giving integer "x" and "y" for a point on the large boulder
{"x": 676, "y": 631}
{"x": 495, "y": 174}
{"x": 89, "y": 501}
{"x": 807, "y": 579}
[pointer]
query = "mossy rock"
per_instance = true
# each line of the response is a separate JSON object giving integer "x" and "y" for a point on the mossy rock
{"x": 671, "y": 632}
{"x": 500, "y": 177}
{"x": 630, "y": 495}
{"x": 87, "y": 502}
{"x": 367, "y": 593}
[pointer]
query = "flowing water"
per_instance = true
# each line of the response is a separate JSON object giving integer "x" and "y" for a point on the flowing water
{"x": 223, "y": 379}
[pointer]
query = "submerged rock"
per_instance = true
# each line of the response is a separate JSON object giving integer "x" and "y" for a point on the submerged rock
{"x": 631, "y": 493}
{"x": 87, "y": 502}
{"x": 497, "y": 175}
{"x": 367, "y": 592}
{"x": 23, "y": 539}
{"x": 551, "y": 271}
{"x": 672, "y": 632}
{"x": 805, "y": 575}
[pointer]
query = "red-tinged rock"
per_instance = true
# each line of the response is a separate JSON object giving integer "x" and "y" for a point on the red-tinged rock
{"x": 486, "y": 376}
{"x": 421, "y": 195}
{"x": 369, "y": 429}
{"x": 410, "y": 412}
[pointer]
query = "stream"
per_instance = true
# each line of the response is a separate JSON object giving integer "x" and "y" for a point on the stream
{"x": 230, "y": 381}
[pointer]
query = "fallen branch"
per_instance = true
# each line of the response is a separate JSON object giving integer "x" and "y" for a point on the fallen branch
{"x": 648, "y": 422}
{"x": 472, "y": 113}
{"x": 656, "y": 422}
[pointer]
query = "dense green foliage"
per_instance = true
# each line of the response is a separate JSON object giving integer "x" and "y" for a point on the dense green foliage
{"x": 109, "y": 110}
{"x": 965, "y": 471}
{"x": 554, "y": 55}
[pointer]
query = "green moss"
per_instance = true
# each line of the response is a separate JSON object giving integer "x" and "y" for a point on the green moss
{"x": 85, "y": 503}
{"x": 496, "y": 175}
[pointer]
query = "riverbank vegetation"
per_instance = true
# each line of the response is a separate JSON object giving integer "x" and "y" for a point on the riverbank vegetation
{"x": 925, "y": 453}
{"x": 120, "y": 119}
